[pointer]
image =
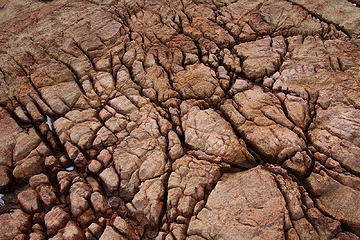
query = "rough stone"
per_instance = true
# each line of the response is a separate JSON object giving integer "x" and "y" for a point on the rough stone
{"x": 29, "y": 201}
{"x": 56, "y": 218}
{"x": 179, "y": 119}
{"x": 247, "y": 212}
{"x": 110, "y": 233}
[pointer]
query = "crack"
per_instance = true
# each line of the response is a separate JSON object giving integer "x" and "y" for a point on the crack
{"x": 318, "y": 16}
{"x": 86, "y": 54}
{"x": 259, "y": 158}
{"x": 124, "y": 16}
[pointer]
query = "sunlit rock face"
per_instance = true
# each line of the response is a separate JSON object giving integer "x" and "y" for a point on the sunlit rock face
{"x": 164, "y": 120}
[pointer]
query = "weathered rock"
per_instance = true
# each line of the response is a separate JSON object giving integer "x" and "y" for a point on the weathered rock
{"x": 38, "y": 180}
{"x": 38, "y": 235}
{"x": 94, "y": 166}
{"x": 4, "y": 177}
{"x": 28, "y": 167}
{"x": 25, "y": 143}
{"x": 12, "y": 224}
{"x": 125, "y": 228}
{"x": 335, "y": 134}
{"x": 56, "y": 218}
{"x": 197, "y": 81}
{"x": 147, "y": 203}
{"x": 167, "y": 120}
{"x": 47, "y": 195}
{"x": 110, "y": 179}
{"x": 213, "y": 138}
{"x": 338, "y": 201}
{"x": 87, "y": 217}
{"x": 99, "y": 203}
{"x": 262, "y": 57}
{"x": 29, "y": 201}
{"x": 72, "y": 232}
{"x": 256, "y": 210}
{"x": 188, "y": 184}
{"x": 305, "y": 230}
{"x": 79, "y": 195}
{"x": 110, "y": 233}
{"x": 262, "y": 121}
{"x": 95, "y": 229}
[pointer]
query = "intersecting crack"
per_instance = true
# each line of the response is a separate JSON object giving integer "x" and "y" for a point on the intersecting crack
{"x": 182, "y": 119}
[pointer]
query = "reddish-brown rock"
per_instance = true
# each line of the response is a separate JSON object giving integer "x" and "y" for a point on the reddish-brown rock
{"x": 56, "y": 218}
{"x": 256, "y": 210}
{"x": 181, "y": 119}
{"x": 29, "y": 201}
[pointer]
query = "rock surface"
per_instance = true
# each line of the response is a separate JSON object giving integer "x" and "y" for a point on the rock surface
{"x": 182, "y": 119}
{"x": 255, "y": 210}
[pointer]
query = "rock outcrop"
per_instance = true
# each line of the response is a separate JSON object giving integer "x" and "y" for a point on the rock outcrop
{"x": 184, "y": 119}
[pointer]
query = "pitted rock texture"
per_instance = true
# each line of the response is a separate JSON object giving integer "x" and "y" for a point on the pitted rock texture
{"x": 185, "y": 119}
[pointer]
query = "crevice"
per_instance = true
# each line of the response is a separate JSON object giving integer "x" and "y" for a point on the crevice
{"x": 317, "y": 16}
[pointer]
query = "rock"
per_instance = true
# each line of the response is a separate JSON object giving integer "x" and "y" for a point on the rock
{"x": 25, "y": 143}
{"x": 13, "y": 224}
{"x": 197, "y": 81}
{"x": 104, "y": 157}
{"x": 38, "y": 180}
{"x": 213, "y": 31}
{"x": 37, "y": 236}
{"x": 28, "y": 167}
{"x": 72, "y": 232}
{"x": 299, "y": 164}
{"x": 333, "y": 135}
{"x": 260, "y": 118}
{"x": 8, "y": 228}
{"x": 62, "y": 96}
{"x": 79, "y": 195}
{"x": 187, "y": 185}
{"x": 165, "y": 120}
{"x": 95, "y": 229}
{"x": 207, "y": 132}
{"x": 324, "y": 10}
{"x": 47, "y": 195}
{"x": 305, "y": 230}
{"x": 247, "y": 212}
{"x": 86, "y": 218}
{"x": 346, "y": 236}
{"x": 4, "y": 177}
{"x": 127, "y": 165}
{"x": 29, "y": 201}
{"x": 94, "y": 166}
{"x": 82, "y": 133}
{"x": 263, "y": 56}
{"x": 110, "y": 233}
{"x": 99, "y": 203}
{"x": 104, "y": 138}
{"x": 120, "y": 224}
{"x": 153, "y": 165}
{"x": 175, "y": 148}
{"x": 147, "y": 204}
{"x": 6, "y": 147}
{"x": 325, "y": 226}
{"x": 56, "y": 218}
{"x": 123, "y": 105}
{"x": 336, "y": 200}
{"x": 110, "y": 179}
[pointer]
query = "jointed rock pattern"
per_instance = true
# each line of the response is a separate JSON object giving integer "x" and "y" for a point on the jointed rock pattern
{"x": 184, "y": 119}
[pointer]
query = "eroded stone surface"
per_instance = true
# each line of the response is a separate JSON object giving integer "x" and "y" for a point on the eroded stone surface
{"x": 256, "y": 210}
{"x": 179, "y": 119}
